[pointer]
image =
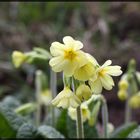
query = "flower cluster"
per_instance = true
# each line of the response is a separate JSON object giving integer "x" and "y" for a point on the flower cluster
{"x": 89, "y": 76}
{"x": 123, "y": 88}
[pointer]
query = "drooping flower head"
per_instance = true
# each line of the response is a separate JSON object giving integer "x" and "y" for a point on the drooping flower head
{"x": 18, "y": 58}
{"x": 66, "y": 98}
{"x": 103, "y": 77}
{"x": 67, "y": 57}
{"x": 46, "y": 97}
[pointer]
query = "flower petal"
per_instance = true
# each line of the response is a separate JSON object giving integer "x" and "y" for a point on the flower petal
{"x": 70, "y": 42}
{"x": 73, "y": 103}
{"x": 78, "y": 45}
{"x": 64, "y": 103}
{"x": 113, "y": 70}
{"x": 96, "y": 86}
{"x": 57, "y": 63}
{"x": 85, "y": 72}
{"x": 92, "y": 59}
{"x": 69, "y": 67}
{"x": 107, "y": 82}
{"x": 107, "y": 63}
{"x": 57, "y": 49}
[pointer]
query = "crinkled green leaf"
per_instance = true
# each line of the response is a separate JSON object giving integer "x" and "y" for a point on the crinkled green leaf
{"x": 27, "y": 130}
{"x": 135, "y": 133}
{"x": 45, "y": 131}
{"x": 9, "y": 122}
{"x": 26, "y": 108}
{"x": 124, "y": 130}
{"x": 11, "y": 102}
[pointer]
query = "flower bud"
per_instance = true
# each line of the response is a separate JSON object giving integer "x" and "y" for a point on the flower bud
{"x": 18, "y": 58}
{"x": 122, "y": 94}
{"x": 123, "y": 84}
{"x": 83, "y": 92}
{"x": 134, "y": 101}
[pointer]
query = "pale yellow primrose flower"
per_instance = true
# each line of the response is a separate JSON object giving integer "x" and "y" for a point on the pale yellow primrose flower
{"x": 84, "y": 111}
{"x": 67, "y": 57}
{"x": 66, "y": 98}
{"x": 103, "y": 77}
{"x": 46, "y": 97}
{"x": 83, "y": 92}
{"x": 86, "y": 71}
{"x": 18, "y": 58}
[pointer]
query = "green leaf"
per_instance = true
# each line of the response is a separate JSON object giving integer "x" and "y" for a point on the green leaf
{"x": 43, "y": 52}
{"x": 45, "y": 131}
{"x": 90, "y": 131}
{"x": 26, "y": 108}
{"x": 27, "y": 130}
{"x": 11, "y": 102}
{"x": 61, "y": 124}
{"x": 71, "y": 127}
{"x": 9, "y": 122}
{"x": 124, "y": 130}
{"x": 135, "y": 133}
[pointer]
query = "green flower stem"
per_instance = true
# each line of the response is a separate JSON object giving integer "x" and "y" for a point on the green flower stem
{"x": 127, "y": 112}
{"x": 79, "y": 123}
{"x": 38, "y": 92}
{"x": 53, "y": 85}
{"x": 105, "y": 117}
{"x": 136, "y": 80}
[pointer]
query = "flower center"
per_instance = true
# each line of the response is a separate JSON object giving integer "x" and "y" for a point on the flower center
{"x": 102, "y": 72}
{"x": 69, "y": 54}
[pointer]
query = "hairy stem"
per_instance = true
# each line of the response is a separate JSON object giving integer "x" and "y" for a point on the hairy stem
{"x": 38, "y": 92}
{"x": 127, "y": 112}
{"x": 79, "y": 123}
{"x": 105, "y": 118}
{"x": 53, "y": 85}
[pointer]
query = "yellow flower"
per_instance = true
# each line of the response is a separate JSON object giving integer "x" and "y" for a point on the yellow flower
{"x": 86, "y": 71}
{"x": 134, "y": 101}
{"x": 67, "y": 57}
{"x": 103, "y": 77}
{"x": 18, "y": 58}
{"x": 83, "y": 92}
{"x": 46, "y": 97}
{"x": 122, "y": 94}
{"x": 84, "y": 111}
{"x": 66, "y": 98}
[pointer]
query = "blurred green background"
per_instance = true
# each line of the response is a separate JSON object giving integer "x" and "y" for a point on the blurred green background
{"x": 108, "y": 30}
